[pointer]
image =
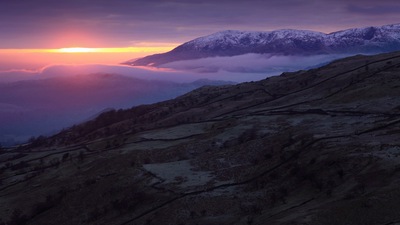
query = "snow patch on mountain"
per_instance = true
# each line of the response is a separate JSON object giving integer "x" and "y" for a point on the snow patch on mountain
{"x": 367, "y": 40}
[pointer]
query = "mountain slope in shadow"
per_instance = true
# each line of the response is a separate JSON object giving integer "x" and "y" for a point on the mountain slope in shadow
{"x": 310, "y": 147}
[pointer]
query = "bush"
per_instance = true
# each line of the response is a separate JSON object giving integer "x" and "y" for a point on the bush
{"x": 54, "y": 162}
{"x": 51, "y": 201}
{"x": 94, "y": 214}
{"x": 21, "y": 165}
{"x": 248, "y": 135}
{"x": 17, "y": 218}
{"x": 129, "y": 202}
{"x": 81, "y": 156}
{"x": 37, "y": 142}
{"x": 42, "y": 207}
{"x": 65, "y": 157}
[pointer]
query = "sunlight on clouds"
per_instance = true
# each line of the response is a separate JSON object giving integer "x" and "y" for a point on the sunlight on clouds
{"x": 34, "y": 59}
{"x": 144, "y": 49}
{"x": 112, "y": 50}
{"x": 76, "y": 50}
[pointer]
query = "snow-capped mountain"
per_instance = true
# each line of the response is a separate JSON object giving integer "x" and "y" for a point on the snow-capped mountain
{"x": 281, "y": 42}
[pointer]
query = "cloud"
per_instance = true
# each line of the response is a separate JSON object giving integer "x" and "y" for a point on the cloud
{"x": 249, "y": 67}
{"x": 61, "y": 95}
{"x": 57, "y": 96}
{"x": 374, "y": 10}
{"x": 180, "y": 74}
{"x": 40, "y": 23}
{"x": 10, "y": 108}
{"x": 251, "y": 63}
{"x": 40, "y": 102}
{"x": 18, "y": 75}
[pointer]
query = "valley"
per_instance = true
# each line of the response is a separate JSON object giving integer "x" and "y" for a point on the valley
{"x": 319, "y": 146}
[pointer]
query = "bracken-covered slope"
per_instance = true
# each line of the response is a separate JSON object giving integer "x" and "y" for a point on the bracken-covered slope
{"x": 281, "y": 42}
{"x": 310, "y": 147}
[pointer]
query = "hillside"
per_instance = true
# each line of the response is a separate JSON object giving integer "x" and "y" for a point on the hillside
{"x": 313, "y": 147}
{"x": 44, "y": 106}
{"x": 281, "y": 42}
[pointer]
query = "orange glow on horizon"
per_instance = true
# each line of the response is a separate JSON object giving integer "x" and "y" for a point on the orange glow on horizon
{"x": 143, "y": 49}
{"x": 112, "y": 50}
{"x": 38, "y": 58}
{"x": 76, "y": 50}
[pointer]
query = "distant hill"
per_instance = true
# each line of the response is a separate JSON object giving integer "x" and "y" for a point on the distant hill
{"x": 317, "y": 147}
{"x": 43, "y": 106}
{"x": 281, "y": 42}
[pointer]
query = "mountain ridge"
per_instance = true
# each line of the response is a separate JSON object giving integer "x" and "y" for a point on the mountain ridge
{"x": 281, "y": 42}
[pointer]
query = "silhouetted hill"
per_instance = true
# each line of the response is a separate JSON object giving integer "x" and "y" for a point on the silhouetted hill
{"x": 44, "y": 106}
{"x": 310, "y": 147}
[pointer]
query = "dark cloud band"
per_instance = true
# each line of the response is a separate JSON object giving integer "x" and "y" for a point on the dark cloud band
{"x": 32, "y": 23}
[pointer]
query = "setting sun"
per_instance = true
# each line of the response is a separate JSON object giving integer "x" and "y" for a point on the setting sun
{"x": 137, "y": 49}
{"x": 113, "y": 50}
{"x": 38, "y": 58}
{"x": 77, "y": 50}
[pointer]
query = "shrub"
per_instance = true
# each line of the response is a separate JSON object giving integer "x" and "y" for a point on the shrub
{"x": 54, "y": 162}
{"x": 50, "y": 202}
{"x": 17, "y": 218}
{"x": 21, "y": 165}
{"x": 94, "y": 214}
{"x": 81, "y": 156}
{"x": 41, "y": 207}
{"x": 37, "y": 142}
{"x": 65, "y": 157}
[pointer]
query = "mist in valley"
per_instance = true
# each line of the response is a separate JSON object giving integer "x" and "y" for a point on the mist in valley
{"x": 45, "y": 101}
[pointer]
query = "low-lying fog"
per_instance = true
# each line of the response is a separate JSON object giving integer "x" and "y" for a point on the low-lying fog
{"x": 42, "y": 102}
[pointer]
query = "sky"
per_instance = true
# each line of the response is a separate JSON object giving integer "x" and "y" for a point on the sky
{"x": 121, "y": 23}
{"x": 153, "y": 26}
{"x": 40, "y": 39}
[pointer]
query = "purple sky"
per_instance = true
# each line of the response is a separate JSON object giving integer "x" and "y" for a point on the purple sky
{"x": 121, "y": 23}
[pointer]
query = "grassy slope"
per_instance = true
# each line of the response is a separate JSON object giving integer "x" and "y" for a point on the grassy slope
{"x": 312, "y": 147}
